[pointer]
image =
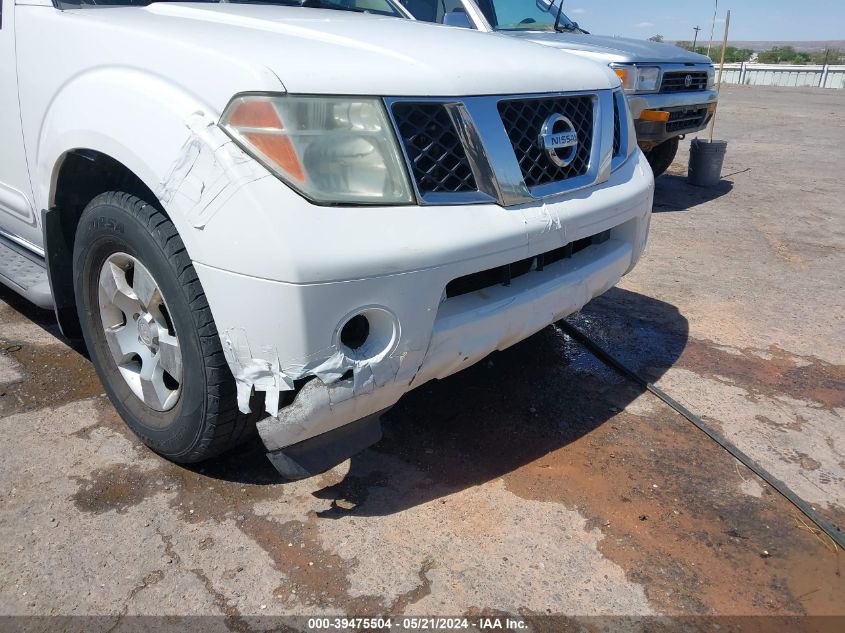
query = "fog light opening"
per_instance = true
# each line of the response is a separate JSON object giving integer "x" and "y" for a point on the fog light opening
{"x": 355, "y": 332}
{"x": 368, "y": 334}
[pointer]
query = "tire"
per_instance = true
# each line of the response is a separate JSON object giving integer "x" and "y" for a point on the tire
{"x": 661, "y": 156}
{"x": 185, "y": 408}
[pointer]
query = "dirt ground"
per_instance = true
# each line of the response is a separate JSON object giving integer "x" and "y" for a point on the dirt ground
{"x": 536, "y": 482}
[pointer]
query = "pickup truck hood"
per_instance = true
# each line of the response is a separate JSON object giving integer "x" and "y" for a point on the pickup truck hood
{"x": 613, "y": 49}
{"x": 320, "y": 51}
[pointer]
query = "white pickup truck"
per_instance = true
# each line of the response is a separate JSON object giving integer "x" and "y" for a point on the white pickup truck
{"x": 286, "y": 217}
{"x": 670, "y": 90}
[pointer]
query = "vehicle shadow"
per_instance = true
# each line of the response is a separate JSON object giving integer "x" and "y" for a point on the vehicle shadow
{"x": 673, "y": 193}
{"x": 45, "y": 319}
{"x": 509, "y": 410}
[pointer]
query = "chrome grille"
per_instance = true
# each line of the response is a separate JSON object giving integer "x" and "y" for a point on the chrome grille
{"x": 523, "y": 119}
{"x": 434, "y": 150}
{"x": 677, "y": 81}
{"x": 490, "y": 149}
{"x": 686, "y": 119}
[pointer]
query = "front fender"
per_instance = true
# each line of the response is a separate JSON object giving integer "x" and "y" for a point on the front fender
{"x": 160, "y": 132}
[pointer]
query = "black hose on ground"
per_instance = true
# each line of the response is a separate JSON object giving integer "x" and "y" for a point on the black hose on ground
{"x": 828, "y": 528}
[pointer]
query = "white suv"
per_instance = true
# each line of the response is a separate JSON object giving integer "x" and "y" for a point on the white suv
{"x": 300, "y": 210}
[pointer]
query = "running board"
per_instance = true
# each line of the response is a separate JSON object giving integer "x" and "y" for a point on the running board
{"x": 25, "y": 273}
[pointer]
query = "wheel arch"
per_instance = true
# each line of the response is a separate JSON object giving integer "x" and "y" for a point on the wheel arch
{"x": 80, "y": 175}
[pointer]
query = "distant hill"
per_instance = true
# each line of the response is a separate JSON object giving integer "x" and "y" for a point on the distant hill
{"x": 809, "y": 46}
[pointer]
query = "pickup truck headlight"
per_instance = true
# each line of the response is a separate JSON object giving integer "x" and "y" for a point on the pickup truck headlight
{"x": 637, "y": 78}
{"x": 711, "y": 77}
{"x": 333, "y": 150}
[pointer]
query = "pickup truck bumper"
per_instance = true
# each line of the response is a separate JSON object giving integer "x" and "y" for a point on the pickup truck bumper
{"x": 441, "y": 298}
{"x": 689, "y": 112}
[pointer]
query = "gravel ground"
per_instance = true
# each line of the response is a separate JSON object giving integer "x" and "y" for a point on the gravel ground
{"x": 536, "y": 482}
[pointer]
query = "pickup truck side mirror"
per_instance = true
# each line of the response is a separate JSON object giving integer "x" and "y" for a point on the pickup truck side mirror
{"x": 459, "y": 18}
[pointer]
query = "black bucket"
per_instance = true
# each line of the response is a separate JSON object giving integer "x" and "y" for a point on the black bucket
{"x": 705, "y": 162}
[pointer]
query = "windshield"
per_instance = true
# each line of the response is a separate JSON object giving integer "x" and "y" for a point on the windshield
{"x": 379, "y": 7}
{"x": 524, "y": 15}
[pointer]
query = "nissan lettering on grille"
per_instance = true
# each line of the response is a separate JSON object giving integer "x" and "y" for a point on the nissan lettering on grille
{"x": 559, "y": 140}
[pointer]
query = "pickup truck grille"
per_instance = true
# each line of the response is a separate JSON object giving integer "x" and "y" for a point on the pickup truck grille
{"x": 435, "y": 151}
{"x": 523, "y": 119}
{"x": 677, "y": 81}
{"x": 686, "y": 119}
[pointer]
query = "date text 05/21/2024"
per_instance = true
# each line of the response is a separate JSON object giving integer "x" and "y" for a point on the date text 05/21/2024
{"x": 416, "y": 624}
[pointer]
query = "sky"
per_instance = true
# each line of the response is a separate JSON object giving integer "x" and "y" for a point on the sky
{"x": 675, "y": 19}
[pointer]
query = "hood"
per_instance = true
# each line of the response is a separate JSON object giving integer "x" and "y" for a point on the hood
{"x": 614, "y": 49}
{"x": 321, "y": 51}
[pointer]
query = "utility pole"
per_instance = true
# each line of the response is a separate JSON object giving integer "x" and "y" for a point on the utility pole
{"x": 695, "y": 37}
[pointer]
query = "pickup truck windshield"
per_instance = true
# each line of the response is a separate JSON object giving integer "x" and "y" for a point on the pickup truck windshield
{"x": 379, "y": 7}
{"x": 524, "y": 15}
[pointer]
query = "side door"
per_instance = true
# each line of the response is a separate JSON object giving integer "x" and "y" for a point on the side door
{"x": 18, "y": 217}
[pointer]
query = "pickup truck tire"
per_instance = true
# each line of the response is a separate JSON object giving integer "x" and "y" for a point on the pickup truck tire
{"x": 144, "y": 314}
{"x": 661, "y": 156}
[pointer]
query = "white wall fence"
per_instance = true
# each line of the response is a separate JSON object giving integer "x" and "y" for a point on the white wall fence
{"x": 826, "y": 76}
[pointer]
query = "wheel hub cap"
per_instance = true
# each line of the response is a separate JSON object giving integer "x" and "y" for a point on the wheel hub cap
{"x": 139, "y": 331}
{"x": 148, "y": 331}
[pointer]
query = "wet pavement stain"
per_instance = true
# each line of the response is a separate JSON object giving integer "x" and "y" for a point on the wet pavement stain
{"x": 317, "y": 576}
{"x": 119, "y": 487}
{"x": 53, "y": 374}
{"x": 54, "y": 371}
{"x": 772, "y": 372}
{"x": 310, "y": 574}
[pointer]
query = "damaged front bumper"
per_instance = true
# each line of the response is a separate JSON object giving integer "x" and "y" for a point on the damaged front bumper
{"x": 449, "y": 292}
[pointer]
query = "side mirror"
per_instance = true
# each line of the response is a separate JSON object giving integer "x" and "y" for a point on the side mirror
{"x": 459, "y": 18}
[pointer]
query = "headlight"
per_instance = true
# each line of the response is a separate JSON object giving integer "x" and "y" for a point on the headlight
{"x": 711, "y": 78}
{"x": 330, "y": 149}
{"x": 638, "y": 78}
